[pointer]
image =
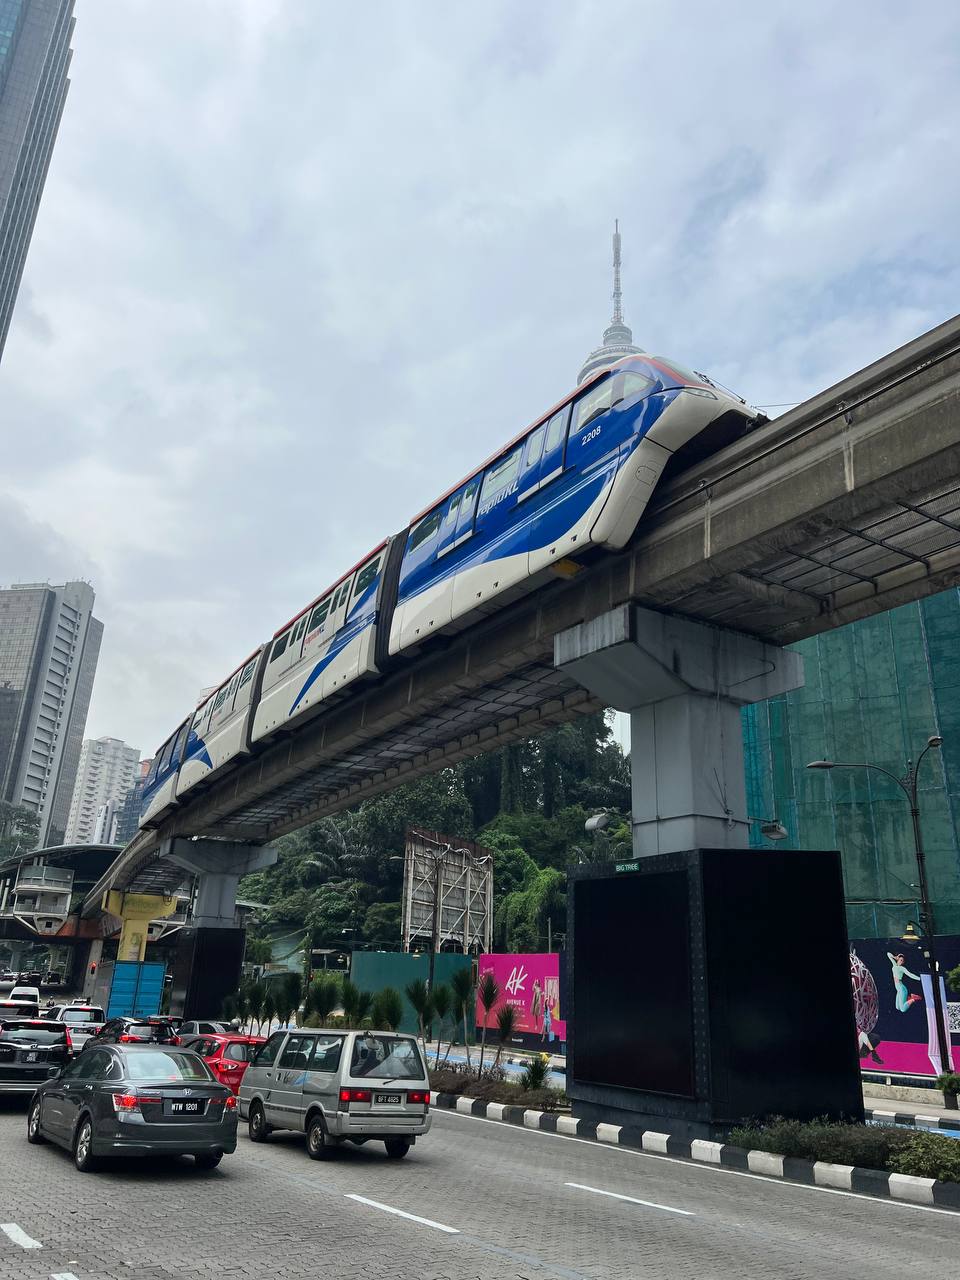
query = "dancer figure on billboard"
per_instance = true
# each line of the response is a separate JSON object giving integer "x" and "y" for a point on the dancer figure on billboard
{"x": 536, "y": 1005}
{"x": 899, "y": 970}
{"x": 866, "y": 1007}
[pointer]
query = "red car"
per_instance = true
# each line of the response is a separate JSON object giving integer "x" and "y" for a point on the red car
{"x": 227, "y": 1056}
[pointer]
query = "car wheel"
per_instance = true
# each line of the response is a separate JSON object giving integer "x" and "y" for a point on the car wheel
{"x": 83, "y": 1156}
{"x": 208, "y": 1160}
{"x": 33, "y": 1124}
{"x": 258, "y": 1127}
{"x": 319, "y": 1145}
{"x": 397, "y": 1148}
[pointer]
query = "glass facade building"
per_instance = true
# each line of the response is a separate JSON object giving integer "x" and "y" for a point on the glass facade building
{"x": 34, "y": 61}
{"x": 49, "y": 646}
{"x": 875, "y": 691}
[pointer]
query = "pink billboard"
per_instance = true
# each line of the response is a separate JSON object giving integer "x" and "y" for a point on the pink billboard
{"x": 531, "y": 983}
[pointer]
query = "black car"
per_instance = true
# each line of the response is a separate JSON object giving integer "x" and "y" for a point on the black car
{"x": 135, "y": 1100}
{"x": 29, "y": 1049}
{"x": 136, "y": 1031}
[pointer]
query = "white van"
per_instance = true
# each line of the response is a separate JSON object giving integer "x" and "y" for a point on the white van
{"x": 338, "y": 1086}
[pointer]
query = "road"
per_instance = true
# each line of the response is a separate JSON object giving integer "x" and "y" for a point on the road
{"x": 486, "y": 1202}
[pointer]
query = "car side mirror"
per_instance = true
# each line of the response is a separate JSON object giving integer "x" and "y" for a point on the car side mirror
{"x": 53, "y": 1073}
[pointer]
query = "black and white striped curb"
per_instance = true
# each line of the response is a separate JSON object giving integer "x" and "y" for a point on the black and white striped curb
{"x": 914, "y": 1119}
{"x": 816, "y": 1173}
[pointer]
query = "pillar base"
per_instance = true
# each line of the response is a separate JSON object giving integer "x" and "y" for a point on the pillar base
{"x": 206, "y": 970}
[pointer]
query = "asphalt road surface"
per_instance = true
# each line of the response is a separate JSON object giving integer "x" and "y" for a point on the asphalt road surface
{"x": 474, "y": 1200}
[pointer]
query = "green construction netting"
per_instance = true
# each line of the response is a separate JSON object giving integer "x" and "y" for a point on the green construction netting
{"x": 875, "y": 691}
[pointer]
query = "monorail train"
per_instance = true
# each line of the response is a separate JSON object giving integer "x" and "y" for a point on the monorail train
{"x": 575, "y": 481}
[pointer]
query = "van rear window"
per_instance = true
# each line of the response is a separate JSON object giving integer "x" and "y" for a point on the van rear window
{"x": 25, "y": 1031}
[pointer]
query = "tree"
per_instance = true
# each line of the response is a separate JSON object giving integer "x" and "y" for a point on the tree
{"x": 520, "y": 920}
{"x": 488, "y": 993}
{"x": 381, "y": 927}
{"x": 441, "y": 997}
{"x": 291, "y": 995}
{"x": 255, "y": 994}
{"x": 19, "y": 830}
{"x": 350, "y": 999}
{"x": 387, "y": 1011}
{"x": 323, "y": 997}
{"x": 506, "y": 1027}
{"x": 464, "y": 996}
{"x": 420, "y": 999}
{"x": 364, "y": 1004}
{"x": 269, "y": 1005}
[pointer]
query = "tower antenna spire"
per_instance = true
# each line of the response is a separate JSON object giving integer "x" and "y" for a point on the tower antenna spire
{"x": 617, "y": 292}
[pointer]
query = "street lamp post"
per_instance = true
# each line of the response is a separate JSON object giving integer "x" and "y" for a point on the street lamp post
{"x": 908, "y": 785}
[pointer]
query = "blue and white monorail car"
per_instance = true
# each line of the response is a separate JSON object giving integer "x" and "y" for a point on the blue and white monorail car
{"x": 575, "y": 482}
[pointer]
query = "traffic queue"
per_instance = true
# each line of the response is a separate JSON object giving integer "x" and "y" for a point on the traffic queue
{"x": 159, "y": 1086}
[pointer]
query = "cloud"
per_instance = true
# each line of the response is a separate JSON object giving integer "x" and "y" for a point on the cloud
{"x": 297, "y": 269}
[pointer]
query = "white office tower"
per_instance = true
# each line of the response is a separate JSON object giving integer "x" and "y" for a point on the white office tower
{"x": 108, "y": 769}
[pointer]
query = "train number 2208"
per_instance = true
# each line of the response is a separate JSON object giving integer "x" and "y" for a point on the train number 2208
{"x": 591, "y": 435}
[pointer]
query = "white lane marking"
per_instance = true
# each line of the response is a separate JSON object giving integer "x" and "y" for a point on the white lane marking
{"x": 388, "y": 1208}
{"x": 63, "y": 1275}
{"x": 19, "y": 1236}
{"x": 615, "y": 1195}
{"x": 785, "y": 1184}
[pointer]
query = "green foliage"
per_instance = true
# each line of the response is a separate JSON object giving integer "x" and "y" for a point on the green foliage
{"x": 350, "y": 1001}
{"x": 535, "y": 1073}
{"x": 490, "y": 1089}
{"x": 464, "y": 996}
{"x": 953, "y": 980}
{"x": 422, "y": 1003}
{"x": 868, "y": 1146}
{"x": 290, "y": 995}
{"x": 387, "y": 1010}
{"x": 322, "y": 998}
{"x": 949, "y": 1082}
{"x": 341, "y": 877}
{"x": 506, "y": 1027}
{"x": 255, "y": 993}
{"x": 269, "y": 1004}
{"x": 929, "y": 1155}
{"x": 19, "y": 830}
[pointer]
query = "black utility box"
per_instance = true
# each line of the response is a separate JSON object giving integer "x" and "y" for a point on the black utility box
{"x": 709, "y": 987}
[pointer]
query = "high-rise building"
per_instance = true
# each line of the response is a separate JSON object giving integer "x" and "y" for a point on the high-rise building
{"x": 617, "y": 337}
{"x": 108, "y": 769}
{"x": 34, "y": 59}
{"x": 128, "y": 815}
{"x": 49, "y": 646}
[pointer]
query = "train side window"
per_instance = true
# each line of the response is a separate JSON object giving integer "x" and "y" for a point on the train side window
{"x": 366, "y": 575}
{"x": 319, "y": 614}
{"x": 182, "y": 739}
{"x": 341, "y": 596}
{"x": 424, "y": 530}
{"x": 247, "y": 673}
{"x": 453, "y": 508}
{"x": 279, "y": 646}
{"x": 298, "y": 630}
{"x": 165, "y": 755}
{"x": 594, "y": 403}
{"x": 499, "y": 476}
{"x": 555, "y": 431}
{"x": 535, "y": 447}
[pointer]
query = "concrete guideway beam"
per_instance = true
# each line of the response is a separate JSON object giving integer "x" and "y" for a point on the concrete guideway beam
{"x": 218, "y": 866}
{"x": 683, "y": 684}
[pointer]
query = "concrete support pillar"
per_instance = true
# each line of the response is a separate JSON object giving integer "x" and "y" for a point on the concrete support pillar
{"x": 210, "y": 952}
{"x": 136, "y": 910}
{"x": 683, "y": 683}
{"x": 218, "y": 866}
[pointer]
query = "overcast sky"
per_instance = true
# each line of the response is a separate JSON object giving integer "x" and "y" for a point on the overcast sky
{"x": 300, "y": 265}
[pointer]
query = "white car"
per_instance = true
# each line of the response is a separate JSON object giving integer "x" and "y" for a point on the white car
{"x": 31, "y": 994}
{"x": 83, "y": 1021}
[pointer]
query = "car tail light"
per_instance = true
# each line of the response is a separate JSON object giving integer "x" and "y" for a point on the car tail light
{"x": 174, "y": 1039}
{"x": 131, "y": 1040}
{"x": 69, "y": 1041}
{"x": 230, "y": 1103}
{"x": 418, "y": 1095}
{"x": 354, "y": 1095}
{"x": 127, "y": 1102}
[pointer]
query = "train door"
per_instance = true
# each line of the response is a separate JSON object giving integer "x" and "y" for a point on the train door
{"x": 496, "y": 558}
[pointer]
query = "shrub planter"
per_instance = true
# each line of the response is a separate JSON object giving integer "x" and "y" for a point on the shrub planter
{"x": 818, "y": 1173}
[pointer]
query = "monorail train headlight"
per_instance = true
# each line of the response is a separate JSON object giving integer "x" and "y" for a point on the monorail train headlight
{"x": 700, "y": 391}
